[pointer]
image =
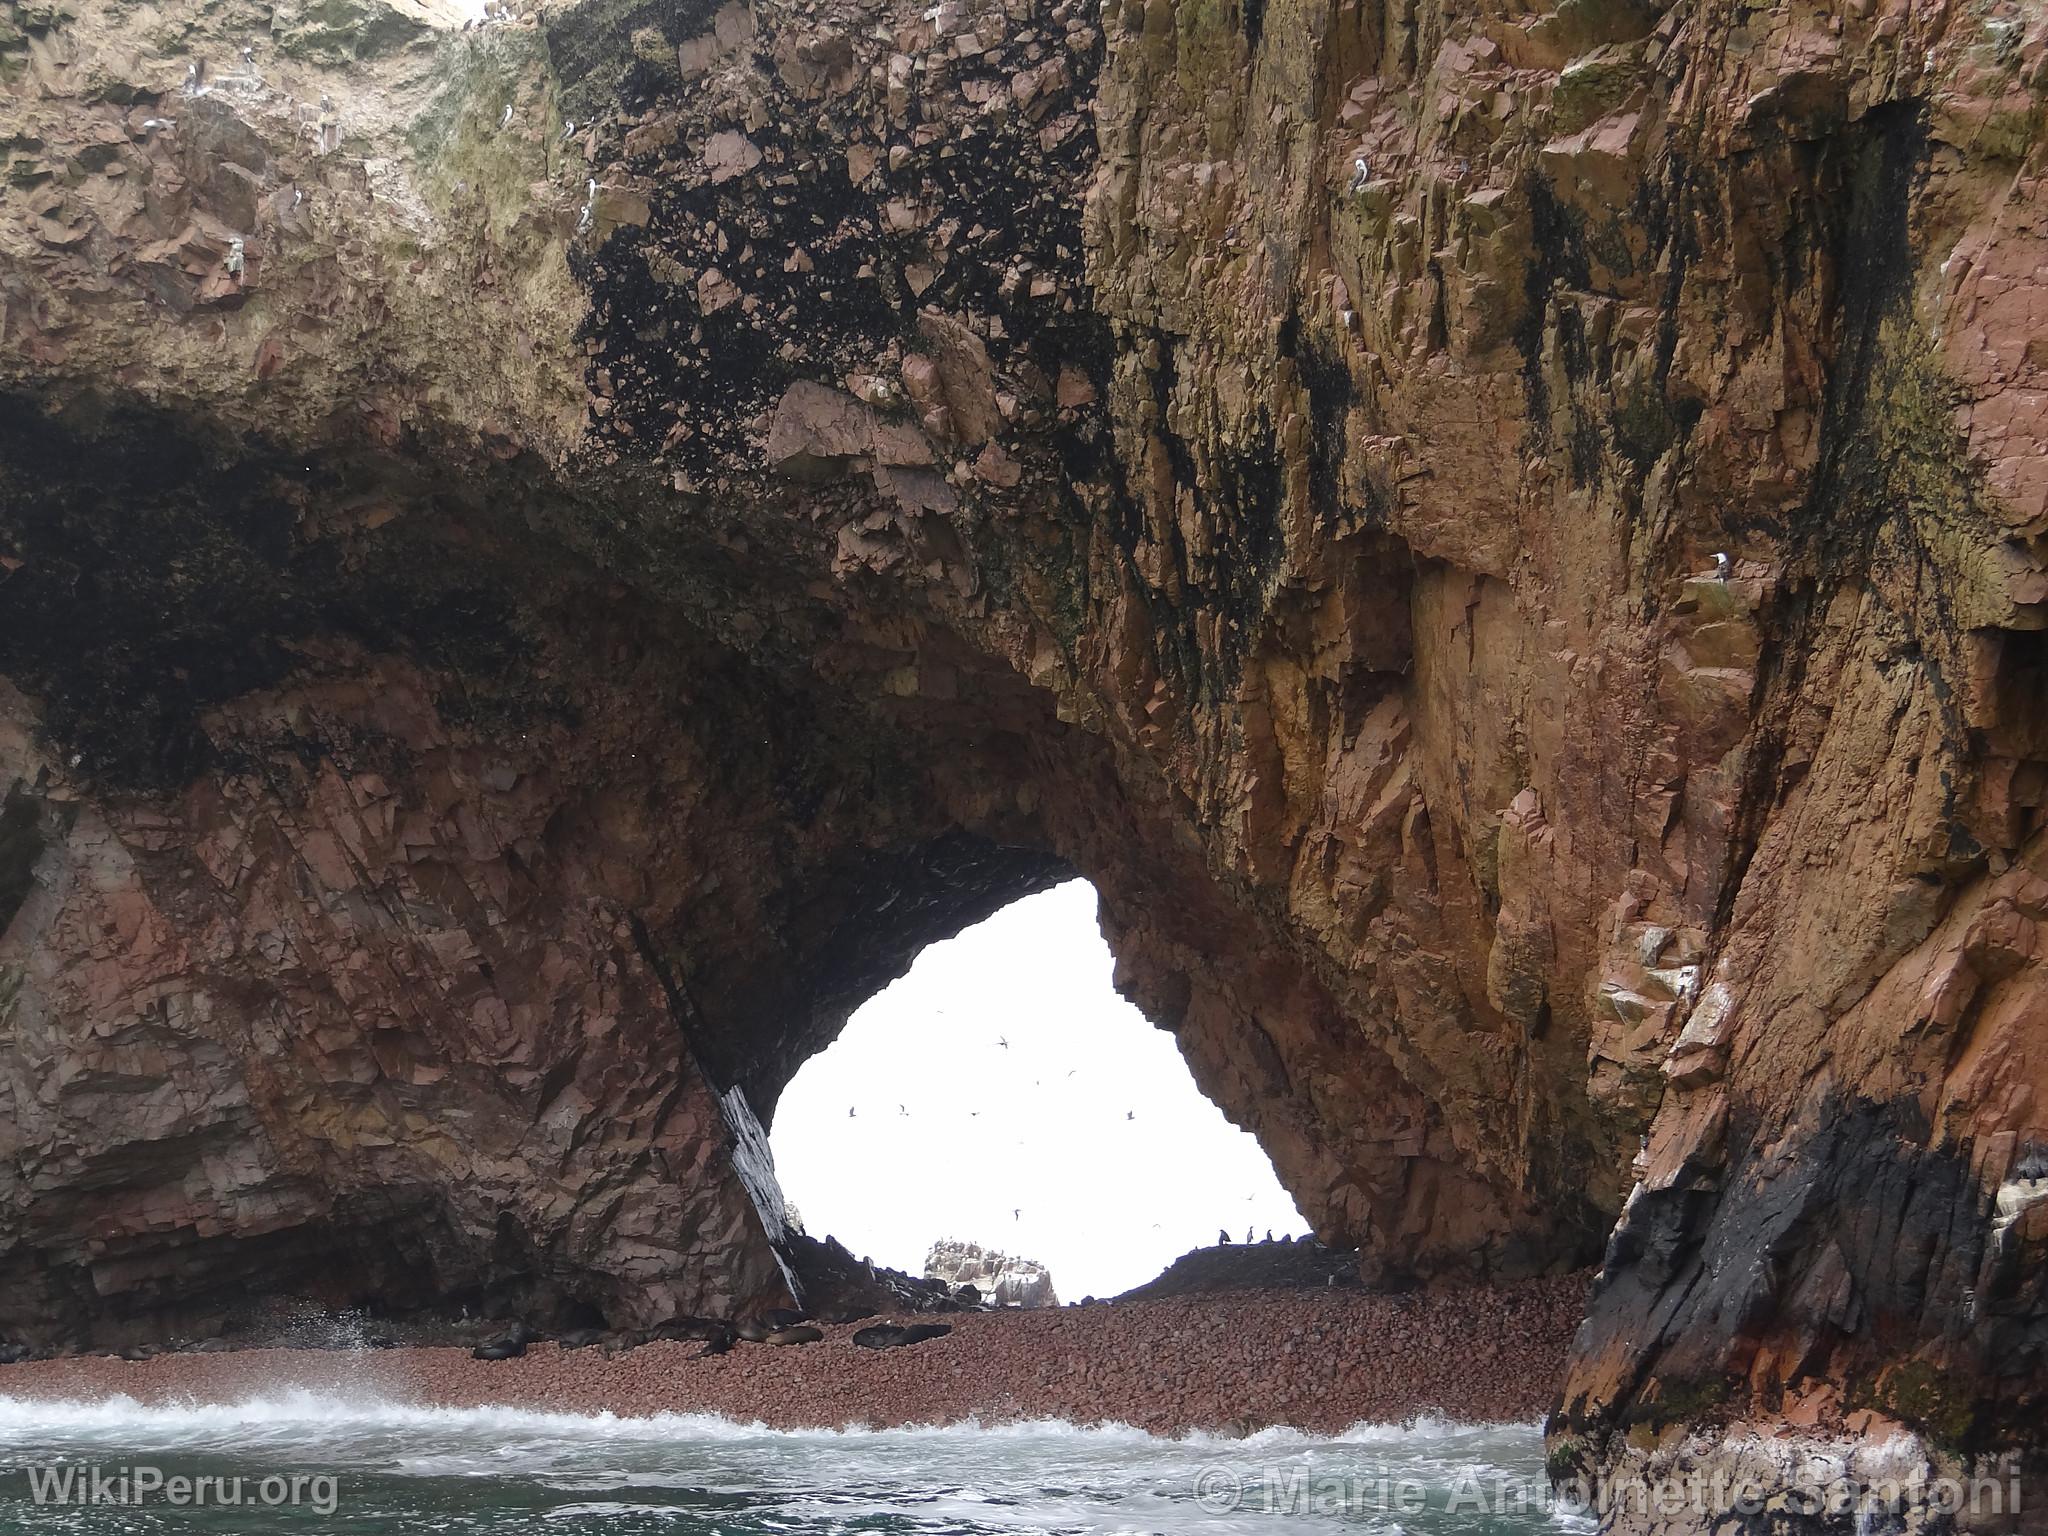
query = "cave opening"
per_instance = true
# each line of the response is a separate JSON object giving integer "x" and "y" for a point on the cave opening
{"x": 1001, "y": 1093}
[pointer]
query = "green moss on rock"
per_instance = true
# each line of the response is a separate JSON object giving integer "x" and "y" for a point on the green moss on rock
{"x": 337, "y": 31}
{"x": 1924, "y": 1396}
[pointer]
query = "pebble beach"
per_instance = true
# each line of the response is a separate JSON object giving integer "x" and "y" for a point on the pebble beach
{"x": 1238, "y": 1361}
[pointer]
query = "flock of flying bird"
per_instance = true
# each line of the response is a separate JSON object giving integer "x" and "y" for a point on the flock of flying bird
{"x": 975, "y": 1114}
{"x": 1016, "y": 1212}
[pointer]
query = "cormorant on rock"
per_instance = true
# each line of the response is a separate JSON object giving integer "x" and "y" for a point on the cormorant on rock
{"x": 505, "y": 121}
{"x": 1361, "y": 174}
{"x": 1222, "y": 1238}
{"x": 235, "y": 258}
{"x": 1721, "y": 566}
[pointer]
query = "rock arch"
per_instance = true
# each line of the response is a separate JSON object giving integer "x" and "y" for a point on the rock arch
{"x": 511, "y": 655}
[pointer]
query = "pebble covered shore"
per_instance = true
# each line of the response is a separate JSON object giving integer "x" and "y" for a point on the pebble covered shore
{"x": 1318, "y": 1360}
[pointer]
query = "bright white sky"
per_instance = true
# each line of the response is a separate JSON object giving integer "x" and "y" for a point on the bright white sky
{"x": 1087, "y": 1122}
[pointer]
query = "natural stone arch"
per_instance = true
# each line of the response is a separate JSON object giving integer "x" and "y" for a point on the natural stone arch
{"x": 1336, "y": 566}
{"x": 481, "y": 875}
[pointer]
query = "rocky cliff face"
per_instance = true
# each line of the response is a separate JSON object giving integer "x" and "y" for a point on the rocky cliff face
{"x": 543, "y": 561}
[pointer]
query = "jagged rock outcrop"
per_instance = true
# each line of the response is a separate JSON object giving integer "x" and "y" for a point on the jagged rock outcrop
{"x": 1000, "y": 1279}
{"x": 542, "y": 562}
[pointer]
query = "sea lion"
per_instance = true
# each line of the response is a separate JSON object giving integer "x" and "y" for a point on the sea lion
{"x": 784, "y": 1317}
{"x": 753, "y": 1333}
{"x": 717, "y": 1344}
{"x": 688, "y": 1328}
{"x": 892, "y": 1336}
{"x": 511, "y": 1347}
{"x": 802, "y": 1335}
{"x": 579, "y": 1338}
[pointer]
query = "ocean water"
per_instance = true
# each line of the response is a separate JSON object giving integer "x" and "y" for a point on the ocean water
{"x": 312, "y": 1462}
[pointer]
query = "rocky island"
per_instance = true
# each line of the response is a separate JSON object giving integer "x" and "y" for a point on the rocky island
{"x": 1000, "y": 1278}
{"x": 543, "y": 558}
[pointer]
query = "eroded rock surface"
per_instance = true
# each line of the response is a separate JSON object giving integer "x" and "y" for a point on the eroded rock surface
{"x": 544, "y": 561}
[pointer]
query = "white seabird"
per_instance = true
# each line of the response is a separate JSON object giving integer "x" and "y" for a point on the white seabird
{"x": 505, "y": 121}
{"x": 1361, "y": 175}
{"x": 235, "y": 259}
{"x": 1721, "y": 566}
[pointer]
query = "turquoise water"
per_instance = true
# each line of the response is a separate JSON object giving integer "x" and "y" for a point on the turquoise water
{"x": 309, "y": 1462}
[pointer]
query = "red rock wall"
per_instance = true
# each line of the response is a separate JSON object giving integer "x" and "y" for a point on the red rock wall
{"x": 839, "y": 475}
